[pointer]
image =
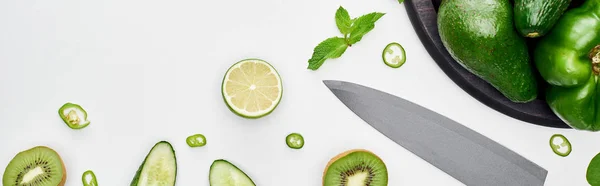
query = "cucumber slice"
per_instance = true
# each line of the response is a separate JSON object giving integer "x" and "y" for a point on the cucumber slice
{"x": 159, "y": 168}
{"x": 394, "y": 55}
{"x": 223, "y": 173}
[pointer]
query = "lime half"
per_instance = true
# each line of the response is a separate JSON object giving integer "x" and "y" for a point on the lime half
{"x": 252, "y": 88}
{"x": 394, "y": 55}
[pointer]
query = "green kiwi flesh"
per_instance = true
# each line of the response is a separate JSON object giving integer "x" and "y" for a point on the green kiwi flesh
{"x": 38, "y": 166}
{"x": 355, "y": 168}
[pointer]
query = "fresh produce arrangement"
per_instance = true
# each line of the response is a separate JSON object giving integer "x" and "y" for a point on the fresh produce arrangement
{"x": 488, "y": 38}
{"x": 494, "y": 40}
{"x": 507, "y": 44}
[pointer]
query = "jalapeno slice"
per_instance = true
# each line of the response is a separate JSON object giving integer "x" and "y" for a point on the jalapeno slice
{"x": 89, "y": 178}
{"x": 560, "y": 145}
{"x": 294, "y": 141}
{"x": 73, "y": 115}
{"x": 394, "y": 55}
{"x": 196, "y": 140}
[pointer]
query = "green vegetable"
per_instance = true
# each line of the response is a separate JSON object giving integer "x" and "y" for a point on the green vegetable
{"x": 89, "y": 178}
{"x": 361, "y": 26}
{"x": 294, "y": 141}
{"x": 480, "y": 35}
{"x": 331, "y": 48}
{"x": 73, "y": 115}
{"x": 560, "y": 145}
{"x": 593, "y": 171}
{"x": 196, "y": 140}
{"x": 352, "y": 29}
{"x": 158, "y": 168}
{"x": 568, "y": 59}
{"x": 343, "y": 21}
{"x": 400, "y": 1}
{"x": 394, "y": 55}
{"x": 223, "y": 173}
{"x": 535, "y": 18}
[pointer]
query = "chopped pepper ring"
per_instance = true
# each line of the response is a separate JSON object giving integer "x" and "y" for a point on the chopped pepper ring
{"x": 294, "y": 141}
{"x": 89, "y": 178}
{"x": 73, "y": 115}
{"x": 394, "y": 55}
{"x": 560, "y": 145}
{"x": 196, "y": 140}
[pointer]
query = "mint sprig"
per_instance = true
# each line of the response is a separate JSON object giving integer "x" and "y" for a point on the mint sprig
{"x": 353, "y": 31}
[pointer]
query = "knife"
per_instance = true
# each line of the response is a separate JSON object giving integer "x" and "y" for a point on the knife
{"x": 464, "y": 154}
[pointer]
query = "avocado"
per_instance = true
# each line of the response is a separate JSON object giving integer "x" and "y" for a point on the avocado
{"x": 535, "y": 18}
{"x": 481, "y": 37}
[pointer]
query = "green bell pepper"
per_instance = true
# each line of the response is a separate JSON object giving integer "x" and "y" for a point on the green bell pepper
{"x": 568, "y": 59}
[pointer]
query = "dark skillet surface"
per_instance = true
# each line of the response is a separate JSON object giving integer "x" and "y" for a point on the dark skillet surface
{"x": 423, "y": 16}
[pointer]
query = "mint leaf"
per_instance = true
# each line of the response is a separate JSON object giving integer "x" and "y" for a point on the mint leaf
{"x": 400, "y": 1}
{"x": 343, "y": 21}
{"x": 330, "y": 48}
{"x": 362, "y": 25}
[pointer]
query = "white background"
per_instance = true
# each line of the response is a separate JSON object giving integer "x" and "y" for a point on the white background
{"x": 151, "y": 70}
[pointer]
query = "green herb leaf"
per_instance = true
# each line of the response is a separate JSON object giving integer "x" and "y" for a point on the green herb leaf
{"x": 330, "y": 48}
{"x": 400, "y": 1}
{"x": 362, "y": 26}
{"x": 343, "y": 21}
{"x": 593, "y": 171}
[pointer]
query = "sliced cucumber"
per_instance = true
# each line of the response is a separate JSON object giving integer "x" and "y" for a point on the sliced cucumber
{"x": 159, "y": 168}
{"x": 394, "y": 55}
{"x": 223, "y": 173}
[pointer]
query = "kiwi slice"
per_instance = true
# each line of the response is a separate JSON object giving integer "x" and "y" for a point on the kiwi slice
{"x": 356, "y": 167}
{"x": 38, "y": 166}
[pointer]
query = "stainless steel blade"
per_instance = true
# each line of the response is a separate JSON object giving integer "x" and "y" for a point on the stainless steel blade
{"x": 464, "y": 154}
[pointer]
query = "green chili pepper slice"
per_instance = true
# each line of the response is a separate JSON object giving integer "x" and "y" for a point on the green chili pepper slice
{"x": 294, "y": 141}
{"x": 560, "y": 145}
{"x": 73, "y": 115}
{"x": 196, "y": 140}
{"x": 89, "y": 178}
{"x": 394, "y": 55}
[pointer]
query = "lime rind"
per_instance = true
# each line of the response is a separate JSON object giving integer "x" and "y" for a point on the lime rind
{"x": 242, "y": 112}
{"x": 393, "y": 55}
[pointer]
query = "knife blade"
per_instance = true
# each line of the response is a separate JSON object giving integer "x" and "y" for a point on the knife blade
{"x": 462, "y": 153}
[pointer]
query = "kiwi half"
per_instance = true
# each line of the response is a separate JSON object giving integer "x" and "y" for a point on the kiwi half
{"x": 38, "y": 166}
{"x": 356, "y": 167}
